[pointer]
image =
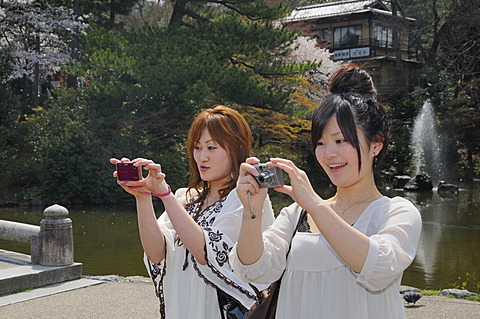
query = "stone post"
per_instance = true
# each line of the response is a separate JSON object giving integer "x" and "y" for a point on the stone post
{"x": 56, "y": 236}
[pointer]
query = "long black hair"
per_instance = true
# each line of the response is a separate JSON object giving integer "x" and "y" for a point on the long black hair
{"x": 353, "y": 102}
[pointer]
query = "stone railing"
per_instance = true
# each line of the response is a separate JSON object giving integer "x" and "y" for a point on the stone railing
{"x": 51, "y": 243}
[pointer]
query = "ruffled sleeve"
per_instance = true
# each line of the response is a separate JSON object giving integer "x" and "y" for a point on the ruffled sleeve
{"x": 276, "y": 242}
{"x": 392, "y": 246}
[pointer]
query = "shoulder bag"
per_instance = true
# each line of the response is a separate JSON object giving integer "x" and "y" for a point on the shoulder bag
{"x": 230, "y": 308}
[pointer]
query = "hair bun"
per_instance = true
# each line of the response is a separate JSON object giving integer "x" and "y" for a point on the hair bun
{"x": 349, "y": 78}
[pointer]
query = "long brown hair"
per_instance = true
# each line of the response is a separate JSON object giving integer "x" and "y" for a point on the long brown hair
{"x": 229, "y": 129}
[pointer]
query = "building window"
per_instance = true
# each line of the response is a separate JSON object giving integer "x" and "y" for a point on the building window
{"x": 326, "y": 35}
{"x": 383, "y": 36}
{"x": 347, "y": 36}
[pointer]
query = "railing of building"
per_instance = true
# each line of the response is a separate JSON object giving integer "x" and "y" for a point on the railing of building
{"x": 51, "y": 243}
{"x": 375, "y": 47}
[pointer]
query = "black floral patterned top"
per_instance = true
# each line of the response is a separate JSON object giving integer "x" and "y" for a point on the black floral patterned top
{"x": 221, "y": 223}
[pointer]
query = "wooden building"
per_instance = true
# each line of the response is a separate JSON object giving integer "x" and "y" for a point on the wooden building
{"x": 364, "y": 32}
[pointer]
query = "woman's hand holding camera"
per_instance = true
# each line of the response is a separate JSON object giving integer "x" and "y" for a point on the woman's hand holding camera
{"x": 301, "y": 191}
{"x": 247, "y": 184}
{"x": 154, "y": 182}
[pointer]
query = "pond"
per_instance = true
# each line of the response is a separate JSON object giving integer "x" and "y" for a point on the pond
{"x": 107, "y": 242}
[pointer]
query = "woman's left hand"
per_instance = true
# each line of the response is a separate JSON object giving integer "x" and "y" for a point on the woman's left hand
{"x": 301, "y": 191}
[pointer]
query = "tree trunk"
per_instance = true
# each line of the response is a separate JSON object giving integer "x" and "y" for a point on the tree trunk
{"x": 470, "y": 174}
{"x": 36, "y": 79}
{"x": 112, "y": 13}
{"x": 396, "y": 37}
{"x": 75, "y": 44}
{"x": 176, "y": 20}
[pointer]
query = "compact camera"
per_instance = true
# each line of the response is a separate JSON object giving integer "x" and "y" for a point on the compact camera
{"x": 126, "y": 171}
{"x": 269, "y": 177}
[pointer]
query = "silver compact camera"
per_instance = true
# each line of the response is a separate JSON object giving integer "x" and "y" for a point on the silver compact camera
{"x": 269, "y": 177}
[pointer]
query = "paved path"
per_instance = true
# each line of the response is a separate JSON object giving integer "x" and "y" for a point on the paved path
{"x": 436, "y": 307}
{"x": 135, "y": 298}
{"x": 105, "y": 300}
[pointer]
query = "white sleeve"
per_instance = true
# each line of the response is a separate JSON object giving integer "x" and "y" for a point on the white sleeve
{"x": 276, "y": 241}
{"x": 393, "y": 248}
{"x": 157, "y": 271}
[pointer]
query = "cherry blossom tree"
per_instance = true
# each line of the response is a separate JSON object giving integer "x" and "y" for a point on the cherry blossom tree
{"x": 307, "y": 49}
{"x": 38, "y": 40}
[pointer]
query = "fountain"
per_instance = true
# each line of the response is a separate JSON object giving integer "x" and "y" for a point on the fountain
{"x": 427, "y": 152}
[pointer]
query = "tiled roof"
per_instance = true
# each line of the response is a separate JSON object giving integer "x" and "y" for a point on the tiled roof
{"x": 331, "y": 9}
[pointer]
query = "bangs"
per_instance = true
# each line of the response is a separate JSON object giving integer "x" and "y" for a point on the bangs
{"x": 220, "y": 130}
{"x": 213, "y": 126}
{"x": 346, "y": 122}
{"x": 336, "y": 105}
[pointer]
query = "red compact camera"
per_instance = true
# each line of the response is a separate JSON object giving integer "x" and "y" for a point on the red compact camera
{"x": 126, "y": 171}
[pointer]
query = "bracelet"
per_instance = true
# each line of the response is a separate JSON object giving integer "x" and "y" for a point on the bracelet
{"x": 153, "y": 194}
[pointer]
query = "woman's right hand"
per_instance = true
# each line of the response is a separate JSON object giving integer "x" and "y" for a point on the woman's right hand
{"x": 154, "y": 182}
{"x": 248, "y": 186}
{"x": 300, "y": 190}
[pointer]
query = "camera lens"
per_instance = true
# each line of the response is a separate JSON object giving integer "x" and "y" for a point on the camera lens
{"x": 266, "y": 178}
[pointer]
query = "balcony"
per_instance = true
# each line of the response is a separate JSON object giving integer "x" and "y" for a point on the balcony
{"x": 363, "y": 48}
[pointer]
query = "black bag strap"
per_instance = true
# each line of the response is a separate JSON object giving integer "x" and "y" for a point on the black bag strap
{"x": 303, "y": 213}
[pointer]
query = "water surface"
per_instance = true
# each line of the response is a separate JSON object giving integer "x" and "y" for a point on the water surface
{"x": 107, "y": 242}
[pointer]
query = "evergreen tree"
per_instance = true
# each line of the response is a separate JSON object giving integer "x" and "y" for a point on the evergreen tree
{"x": 166, "y": 74}
{"x": 141, "y": 87}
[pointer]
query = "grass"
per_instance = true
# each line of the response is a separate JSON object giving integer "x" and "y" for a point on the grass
{"x": 430, "y": 292}
{"x": 470, "y": 281}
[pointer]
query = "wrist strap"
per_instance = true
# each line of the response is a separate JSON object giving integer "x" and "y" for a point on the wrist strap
{"x": 252, "y": 216}
{"x": 153, "y": 194}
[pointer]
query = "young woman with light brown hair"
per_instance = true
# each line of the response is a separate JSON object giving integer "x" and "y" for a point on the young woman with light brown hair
{"x": 186, "y": 250}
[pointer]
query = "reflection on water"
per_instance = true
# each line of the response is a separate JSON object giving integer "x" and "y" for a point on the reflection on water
{"x": 448, "y": 247}
{"x": 107, "y": 242}
{"x": 106, "y": 238}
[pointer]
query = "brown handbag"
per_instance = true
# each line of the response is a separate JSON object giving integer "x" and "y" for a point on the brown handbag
{"x": 266, "y": 308}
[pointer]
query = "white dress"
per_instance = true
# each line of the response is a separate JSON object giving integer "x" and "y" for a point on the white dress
{"x": 185, "y": 288}
{"x": 318, "y": 284}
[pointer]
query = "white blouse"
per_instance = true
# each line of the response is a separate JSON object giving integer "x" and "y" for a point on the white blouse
{"x": 185, "y": 288}
{"x": 318, "y": 284}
